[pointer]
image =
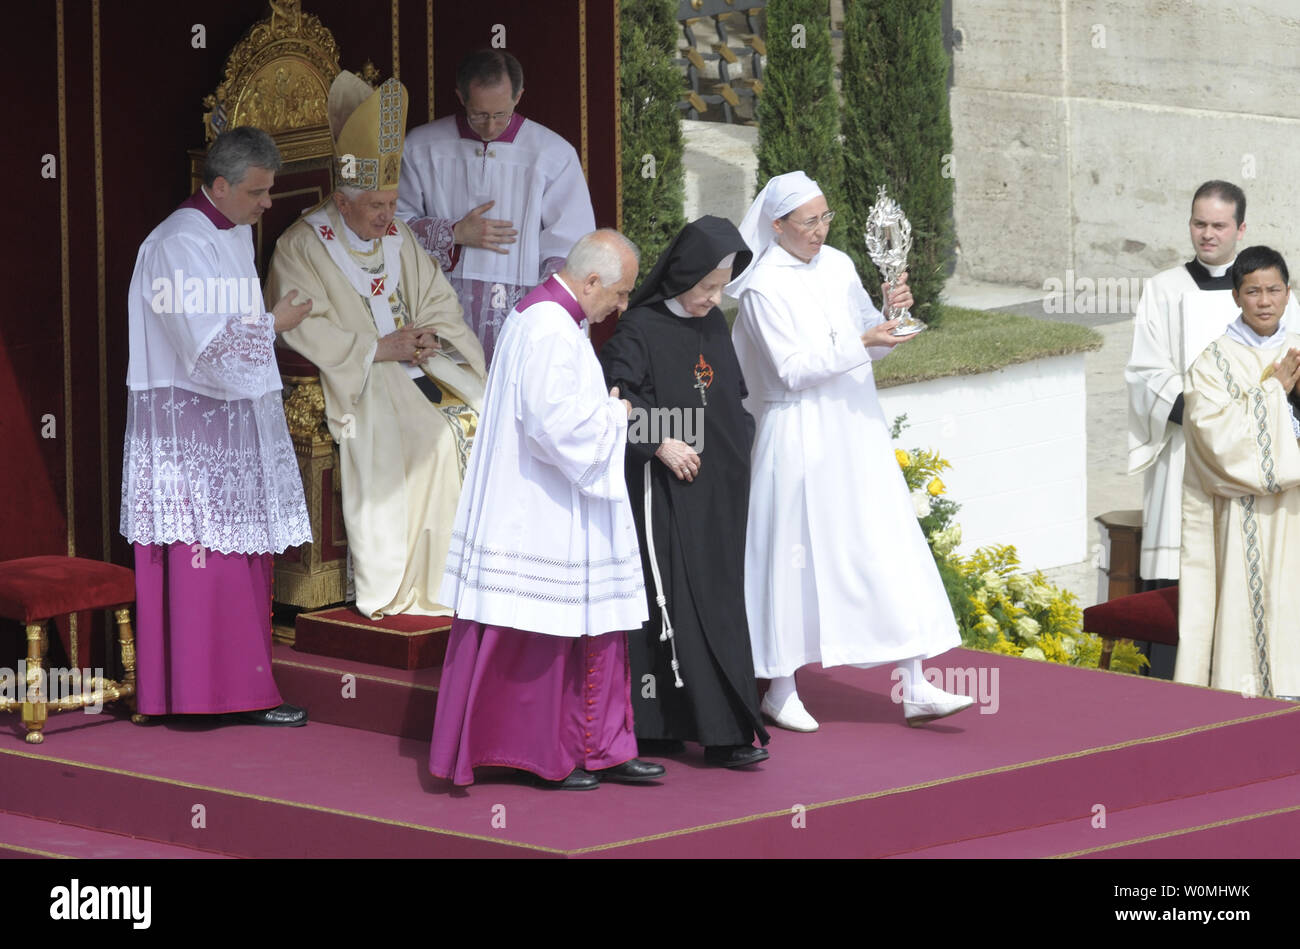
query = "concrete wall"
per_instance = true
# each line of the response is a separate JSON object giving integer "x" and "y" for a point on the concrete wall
{"x": 721, "y": 165}
{"x": 1018, "y": 444}
{"x": 1082, "y": 127}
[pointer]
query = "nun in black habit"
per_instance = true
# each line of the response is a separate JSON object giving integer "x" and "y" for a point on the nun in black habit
{"x": 671, "y": 357}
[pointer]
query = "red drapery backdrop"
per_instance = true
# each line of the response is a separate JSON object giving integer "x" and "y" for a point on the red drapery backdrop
{"x": 111, "y": 102}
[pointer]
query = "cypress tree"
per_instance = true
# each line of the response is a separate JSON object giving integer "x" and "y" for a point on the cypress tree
{"x": 897, "y": 132}
{"x": 798, "y": 112}
{"x": 653, "y": 180}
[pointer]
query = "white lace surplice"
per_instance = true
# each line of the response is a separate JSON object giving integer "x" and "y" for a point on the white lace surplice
{"x": 208, "y": 459}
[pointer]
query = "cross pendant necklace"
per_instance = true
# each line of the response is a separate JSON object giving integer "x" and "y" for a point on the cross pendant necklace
{"x": 703, "y": 377}
{"x": 832, "y": 337}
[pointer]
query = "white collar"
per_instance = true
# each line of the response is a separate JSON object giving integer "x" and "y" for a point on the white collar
{"x": 1217, "y": 270}
{"x": 783, "y": 258}
{"x": 675, "y": 308}
{"x": 356, "y": 240}
{"x": 1243, "y": 334}
{"x": 560, "y": 281}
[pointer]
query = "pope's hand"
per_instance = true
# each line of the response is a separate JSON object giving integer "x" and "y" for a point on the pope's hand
{"x": 475, "y": 230}
{"x": 680, "y": 458}
{"x": 428, "y": 341}
{"x": 401, "y": 345}
{"x": 882, "y": 335}
{"x": 288, "y": 314}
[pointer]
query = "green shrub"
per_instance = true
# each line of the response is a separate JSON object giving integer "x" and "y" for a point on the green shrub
{"x": 897, "y": 132}
{"x": 798, "y": 112}
{"x": 651, "y": 87}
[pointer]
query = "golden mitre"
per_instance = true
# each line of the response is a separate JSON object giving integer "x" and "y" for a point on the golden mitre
{"x": 369, "y": 127}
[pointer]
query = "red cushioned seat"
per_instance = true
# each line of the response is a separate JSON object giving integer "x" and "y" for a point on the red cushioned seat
{"x": 1150, "y": 616}
{"x": 37, "y": 588}
{"x": 34, "y": 590}
{"x": 293, "y": 363}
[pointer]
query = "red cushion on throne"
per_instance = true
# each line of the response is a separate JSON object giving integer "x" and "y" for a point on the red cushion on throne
{"x": 38, "y": 588}
{"x": 294, "y": 363}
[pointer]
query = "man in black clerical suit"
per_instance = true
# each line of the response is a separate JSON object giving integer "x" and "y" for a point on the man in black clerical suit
{"x": 1155, "y": 370}
{"x": 1155, "y": 376}
{"x": 671, "y": 357}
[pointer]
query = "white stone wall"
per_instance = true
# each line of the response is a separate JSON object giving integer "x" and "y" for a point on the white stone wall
{"x": 1082, "y": 127}
{"x": 1017, "y": 442}
{"x": 721, "y": 166}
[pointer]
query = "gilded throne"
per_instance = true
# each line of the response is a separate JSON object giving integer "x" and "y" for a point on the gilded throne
{"x": 277, "y": 78}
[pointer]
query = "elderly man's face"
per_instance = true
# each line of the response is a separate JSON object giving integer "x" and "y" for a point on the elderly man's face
{"x": 369, "y": 215}
{"x": 489, "y": 108}
{"x": 599, "y": 301}
{"x": 244, "y": 203}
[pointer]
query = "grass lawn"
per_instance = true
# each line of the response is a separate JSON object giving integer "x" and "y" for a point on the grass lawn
{"x": 970, "y": 341}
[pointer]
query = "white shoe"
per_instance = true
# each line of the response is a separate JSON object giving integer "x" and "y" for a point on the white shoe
{"x": 940, "y": 705}
{"x": 791, "y": 714}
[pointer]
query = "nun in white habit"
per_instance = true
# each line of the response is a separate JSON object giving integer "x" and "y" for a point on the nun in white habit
{"x": 837, "y": 570}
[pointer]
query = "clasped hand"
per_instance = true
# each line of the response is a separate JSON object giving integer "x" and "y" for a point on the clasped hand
{"x": 680, "y": 458}
{"x": 1287, "y": 370}
{"x": 408, "y": 344}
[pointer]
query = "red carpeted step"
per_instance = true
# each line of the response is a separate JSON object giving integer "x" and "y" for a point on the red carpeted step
{"x": 1152, "y": 828}
{"x": 29, "y": 837}
{"x": 1042, "y": 746}
{"x": 398, "y": 642}
{"x": 1255, "y": 836}
{"x": 357, "y": 695}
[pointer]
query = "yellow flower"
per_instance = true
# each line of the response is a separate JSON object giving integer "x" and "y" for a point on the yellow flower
{"x": 935, "y": 487}
{"x": 904, "y": 459}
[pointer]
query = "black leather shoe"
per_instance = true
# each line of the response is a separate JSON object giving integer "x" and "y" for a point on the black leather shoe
{"x": 734, "y": 756}
{"x": 578, "y": 780}
{"x": 660, "y": 747}
{"x": 631, "y": 772}
{"x": 284, "y": 716}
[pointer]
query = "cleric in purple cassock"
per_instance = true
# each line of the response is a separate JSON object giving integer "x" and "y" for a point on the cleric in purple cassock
{"x": 544, "y": 570}
{"x": 210, "y": 484}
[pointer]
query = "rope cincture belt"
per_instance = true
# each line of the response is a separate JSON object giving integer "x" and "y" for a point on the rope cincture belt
{"x": 666, "y": 635}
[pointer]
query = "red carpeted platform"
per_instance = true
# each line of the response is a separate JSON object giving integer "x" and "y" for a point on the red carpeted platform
{"x": 399, "y": 642}
{"x": 1174, "y": 770}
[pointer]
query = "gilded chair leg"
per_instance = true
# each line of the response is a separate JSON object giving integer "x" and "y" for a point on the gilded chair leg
{"x": 34, "y": 710}
{"x": 126, "y": 640}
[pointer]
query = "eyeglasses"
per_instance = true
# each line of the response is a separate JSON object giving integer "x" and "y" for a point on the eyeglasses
{"x": 812, "y": 222}
{"x": 479, "y": 118}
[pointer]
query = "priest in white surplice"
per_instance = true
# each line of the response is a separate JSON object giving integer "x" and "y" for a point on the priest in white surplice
{"x": 1243, "y": 467}
{"x": 210, "y": 487}
{"x": 837, "y": 570}
{"x": 402, "y": 373}
{"x": 495, "y": 198}
{"x": 1180, "y": 311}
{"x": 545, "y": 568}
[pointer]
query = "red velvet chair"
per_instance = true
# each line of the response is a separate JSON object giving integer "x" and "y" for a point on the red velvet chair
{"x": 1150, "y": 616}
{"x": 34, "y": 590}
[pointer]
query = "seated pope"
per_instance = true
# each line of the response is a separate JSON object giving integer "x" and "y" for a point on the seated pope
{"x": 401, "y": 372}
